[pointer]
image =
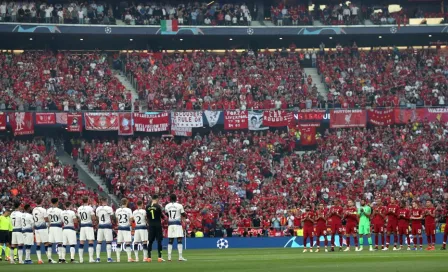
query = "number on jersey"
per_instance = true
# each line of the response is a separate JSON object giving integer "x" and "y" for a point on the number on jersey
{"x": 123, "y": 218}
{"x": 172, "y": 214}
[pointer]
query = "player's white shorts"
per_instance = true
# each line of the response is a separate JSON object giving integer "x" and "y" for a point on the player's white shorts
{"x": 86, "y": 233}
{"x": 124, "y": 236}
{"x": 17, "y": 238}
{"x": 140, "y": 235}
{"x": 69, "y": 237}
{"x": 41, "y": 235}
{"x": 55, "y": 235}
{"x": 175, "y": 231}
{"x": 28, "y": 238}
{"x": 104, "y": 235}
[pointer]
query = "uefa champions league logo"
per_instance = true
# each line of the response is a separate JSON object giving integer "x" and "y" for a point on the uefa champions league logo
{"x": 108, "y": 30}
{"x": 222, "y": 243}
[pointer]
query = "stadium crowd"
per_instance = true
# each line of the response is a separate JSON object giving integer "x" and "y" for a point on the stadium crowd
{"x": 62, "y": 81}
{"x": 224, "y": 189}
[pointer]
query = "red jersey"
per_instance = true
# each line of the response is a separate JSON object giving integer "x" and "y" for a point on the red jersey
{"x": 416, "y": 213}
{"x": 404, "y": 217}
{"x": 446, "y": 216}
{"x": 430, "y": 216}
{"x": 392, "y": 213}
{"x": 321, "y": 218}
{"x": 336, "y": 213}
{"x": 380, "y": 213}
{"x": 307, "y": 219}
{"x": 351, "y": 214}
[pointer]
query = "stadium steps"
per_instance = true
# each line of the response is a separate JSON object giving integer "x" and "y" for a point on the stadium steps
{"x": 317, "y": 23}
{"x": 128, "y": 85}
{"x": 317, "y": 80}
{"x": 268, "y": 23}
{"x": 89, "y": 179}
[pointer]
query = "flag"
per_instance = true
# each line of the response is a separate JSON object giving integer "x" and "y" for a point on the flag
{"x": 44, "y": 118}
{"x": 169, "y": 26}
{"x": 74, "y": 122}
{"x": 348, "y": 118}
{"x": 381, "y": 117}
{"x": 21, "y": 123}
{"x": 125, "y": 126}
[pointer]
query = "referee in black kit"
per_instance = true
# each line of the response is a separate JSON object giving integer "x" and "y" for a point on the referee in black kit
{"x": 154, "y": 214}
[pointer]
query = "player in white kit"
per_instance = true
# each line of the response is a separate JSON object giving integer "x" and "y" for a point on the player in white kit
{"x": 17, "y": 235}
{"x": 27, "y": 230}
{"x": 55, "y": 230}
{"x": 40, "y": 229}
{"x": 124, "y": 218}
{"x": 175, "y": 213}
{"x": 104, "y": 213}
{"x": 87, "y": 216}
{"x": 68, "y": 233}
{"x": 141, "y": 231}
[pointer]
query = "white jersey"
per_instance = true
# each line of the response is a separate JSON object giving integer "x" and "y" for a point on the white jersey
{"x": 16, "y": 218}
{"x": 27, "y": 222}
{"x": 85, "y": 213}
{"x": 68, "y": 217}
{"x": 40, "y": 214}
{"x": 104, "y": 214}
{"x": 140, "y": 218}
{"x": 55, "y": 217}
{"x": 124, "y": 216}
{"x": 174, "y": 211}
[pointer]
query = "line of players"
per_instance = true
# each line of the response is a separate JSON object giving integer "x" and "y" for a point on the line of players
{"x": 392, "y": 219}
{"x": 53, "y": 226}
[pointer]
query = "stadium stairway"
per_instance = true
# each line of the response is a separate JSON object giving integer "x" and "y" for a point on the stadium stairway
{"x": 128, "y": 85}
{"x": 89, "y": 179}
{"x": 317, "y": 80}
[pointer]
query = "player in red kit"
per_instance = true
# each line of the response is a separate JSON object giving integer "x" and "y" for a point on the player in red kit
{"x": 321, "y": 226}
{"x": 379, "y": 213}
{"x": 416, "y": 225}
{"x": 336, "y": 213}
{"x": 392, "y": 222}
{"x": 308, "y": 227}
{"x": 351, "y": 217}
{"x": 404, "y": 215}
{"x": 445, "y": 233}
{"x": 430, "y": 225}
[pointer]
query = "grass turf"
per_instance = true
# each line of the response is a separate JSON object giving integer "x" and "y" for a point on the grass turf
{"x": 282, "y": 259}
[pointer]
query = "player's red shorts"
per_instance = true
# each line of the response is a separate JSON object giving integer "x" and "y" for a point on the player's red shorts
{"x": 321, "y": 231}
{"x": 336, "y": 228}
{"x": 351, "y": 229}
{"x": 392, "y": 226}
{"x": 403, "y": 230}
{"x": 308, "y": 232}
{"x": 430, "y": 229}
{"x": 416, "y": 229}
{"x": 378, "y": 228}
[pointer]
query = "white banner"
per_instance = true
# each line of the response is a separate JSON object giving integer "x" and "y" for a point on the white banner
{"x": 256, "y": 121}
{"x": 181, "y": 131}
{"x": 187, "y": 119}
{"x": 212, "y": 117}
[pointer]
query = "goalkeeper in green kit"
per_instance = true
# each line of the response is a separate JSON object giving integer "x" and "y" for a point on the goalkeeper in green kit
{"x": 364, "y": 212}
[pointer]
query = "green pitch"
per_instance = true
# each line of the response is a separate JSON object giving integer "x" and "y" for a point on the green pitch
{"x": 257, "y": 260}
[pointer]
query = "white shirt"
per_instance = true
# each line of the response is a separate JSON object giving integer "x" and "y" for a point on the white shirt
{"x": 174, "y": 211}
{"x": 81, "y": 14}
{"x": 124, "y": 216}
{"x": 68, "y": 217}
{"x": 54, "y": 216}
{"x": 104, "y": 214}
{"x": 27, "y": 221}
{"x": 85, "y": 214}
{"x": 139, "y": 217}
{"x": 39, "y": 214}
{"x": 16, "y": 218}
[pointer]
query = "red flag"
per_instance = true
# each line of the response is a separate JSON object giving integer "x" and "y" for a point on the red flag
{"x": 404, "y": 116}
{"x": 2, "y": 121}
{"x": 381, "y": 117}
{"x": 277, "y": 118}
{"x": 433, "y": 115}
{"x": 101, "y": 121}
{"x": 74, "y": 122}
{"x": 45, "y": 118}
{"x": 236, "y": 119}
{"x": 151, "y": 122}
{"x": 21, "y": 123}
{"x": 347, "y": 118}
{"x": 125, "y": 123}
{"x": 307, "y": 134}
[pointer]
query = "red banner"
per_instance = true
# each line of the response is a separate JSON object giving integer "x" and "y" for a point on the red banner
{"x": 277, "y": 118}
{"x": 404, "y": 116}
{"x": 101, "y": 121}
{"x": 61, "y": 118}
{"x": 151, "y": 122}
{"x": 307, "y": 134}
{"x": 125, "y": 124}
{"x": 381, "y": 117}
{"x": 433, "y": 115}
{"x": 74, "y": 122}
{"x": 347, "y": 118}
{"x": 21, "y": 123}
{"x": 235, "y": 119}
{"x": 45, "y": 118}
{"x": 311, "y": 115}
{"x": 2, "y": 121}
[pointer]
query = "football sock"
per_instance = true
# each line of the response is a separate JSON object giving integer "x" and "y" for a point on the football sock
{"x": 38, "y": 253}
{"x": 361, "y": 241}
{"x": 136, "y": 251}
{"x": 118, "y": 251}
{"x": 49, "y": 249}
{"x": 98, "y": 250}
{"x": 428, "y": 238}
{"x": 179, "y": 249}
{"x": 170, "y": 249}
{"x": 27, "y": 253}
{"x": 145, "y": 251}
{"x": 91, "y": 251}
{"x": 408, "y": 239}
{"x": 63, "y": 251}
{"x": 332, "y": 240}
{"x": 20, "y": 253}
{"x": 369, "y": 240}
{"x": 401, "y": 240}
{"x": 1, "y": 249}
{"x": 7, "y": 251}
{"x": 376, "y": 240}
{"x": 415, "y": 241}
{"x": 356, "y": 240}
{"x": 109, "y": 251}
{"x": 421, "y": 241}
{"x": 347, "y": 239}
{"x": 433, "y": 239}
{"x": 11, "y": 255}
{"x": 72, "y": 252}
{"x": 15, "y": 252}
{"x": 159, "y": 248}
{"x": 81, "y": 252}
{"x": 128, "y": 250}
{"x": 395, "y": 239}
